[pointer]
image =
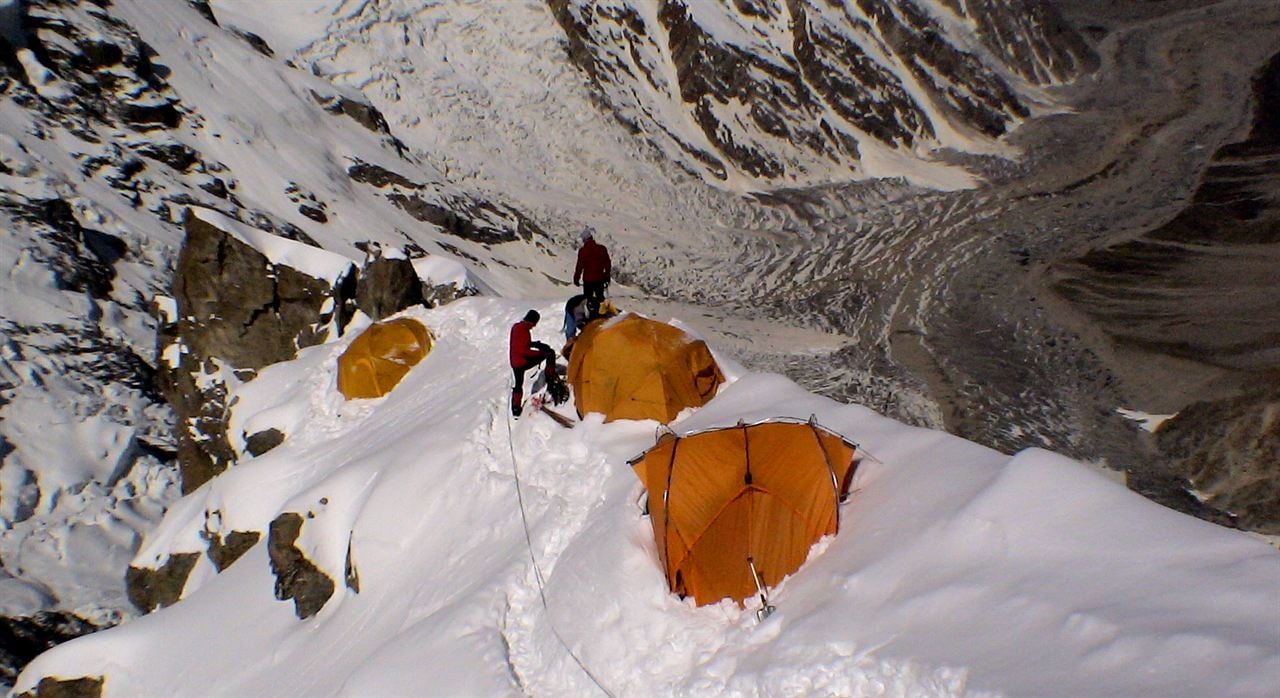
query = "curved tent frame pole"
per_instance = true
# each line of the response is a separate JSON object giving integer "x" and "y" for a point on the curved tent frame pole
{"x": 826, "y": 458}
{"x": 666, "y": 512}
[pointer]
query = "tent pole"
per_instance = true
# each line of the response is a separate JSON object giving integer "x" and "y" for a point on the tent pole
{"x": 766, "y": 610}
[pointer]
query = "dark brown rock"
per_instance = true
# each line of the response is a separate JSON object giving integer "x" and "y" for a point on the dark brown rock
{"x": 380, "y": 177}
{"x": 258, "y": 43}
{"x": 152, "y": 588}
{"x": 1202, "y": 286}
{"x": 297, "y": 577}
{"x": 215, "y": 186}
{"x": 263, "y": 441}
{"x": 351, "y": 575}
{"x": 202, "y": 6}
{"x": 237, "y": 307}
{"x": 387, "y": 286}
{"x": 176, "y": 155}
{"x": 1229, "y": 452}
{"x": 453, "y": 222}
{"x": 23, "y": 639}
{"x": 234, "y": 304}
{"x": 203, "y": 448}
{"x": 363, "y": 113}
{"x": 106, "y": 65}
{"x": 51, "y": 687}
{"x": 476, "y": 220}
{"x": 315, "y": 213}
{"x": 223, "y": 552}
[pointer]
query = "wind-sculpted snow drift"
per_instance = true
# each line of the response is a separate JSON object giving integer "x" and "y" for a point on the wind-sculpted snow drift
{"x": 402, "y": 568}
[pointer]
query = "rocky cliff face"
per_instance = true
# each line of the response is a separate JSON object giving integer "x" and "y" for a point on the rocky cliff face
{"x": 85, "y": 437}
{"x": 1202, "y": 288}
{"x": 235, "y": 312}
{"x": 1229, "y": 453}
{"x": 775, "y": 92}
{"x": 116, "y": 119}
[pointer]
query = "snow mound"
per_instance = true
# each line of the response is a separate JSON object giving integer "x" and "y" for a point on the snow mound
{"x": 957, "y": 569}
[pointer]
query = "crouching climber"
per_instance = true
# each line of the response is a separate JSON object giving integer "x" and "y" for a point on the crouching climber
{"x": 575, "y": 316}
{"x": 527, "y": 354}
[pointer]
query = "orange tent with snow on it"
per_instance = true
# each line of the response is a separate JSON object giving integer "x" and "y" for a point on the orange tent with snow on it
{"x": 725, "y": 500}
{"x": 631, "y": 367}
{"x": 376, "y": 361}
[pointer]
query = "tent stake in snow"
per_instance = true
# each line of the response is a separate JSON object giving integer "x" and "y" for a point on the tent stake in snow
{"x": 766, "y": 610}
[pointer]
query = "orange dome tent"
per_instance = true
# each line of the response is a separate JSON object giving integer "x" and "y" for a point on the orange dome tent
{"x": 723, "y": 500}
{"x": 631, "y": 367}
{"x": 376, "y": 361}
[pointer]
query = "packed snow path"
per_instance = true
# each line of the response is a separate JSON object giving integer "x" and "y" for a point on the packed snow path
{"x": 957, "y": 569}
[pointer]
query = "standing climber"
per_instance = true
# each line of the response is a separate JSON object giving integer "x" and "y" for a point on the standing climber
{"x": 526, "y": 354}
{"x": 593, "y": 270}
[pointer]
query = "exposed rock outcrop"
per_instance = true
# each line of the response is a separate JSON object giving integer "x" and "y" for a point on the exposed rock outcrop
{"x": 152, "y": 588}
{"x": 52, "y": 687}
{"x": 790, "y": 90}
{"x": 236, "y": 309}
{"x": 388, "y": 285}
{"x": 297, "y": 577}
{"x": 350, "y": 574}
{"x": 362, "y": 113}
{"x": 263, "y": 441}
{"x": 1202, "y": 288}
{"x": 455, "y": 214}
{"x": 1229, "y": 452}
{"x": 237, "y": 305}
{"x": 440, "y": 294}
{"x": 224, "y": 551}
{"x": 22, "y": 639}
{"x": 102, "y": 69}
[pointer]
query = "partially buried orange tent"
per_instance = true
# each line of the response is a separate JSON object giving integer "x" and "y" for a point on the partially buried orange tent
{"x": 376, "y": 361}
{"x": 631, "y": 367}
{"x": 723, "y": 500}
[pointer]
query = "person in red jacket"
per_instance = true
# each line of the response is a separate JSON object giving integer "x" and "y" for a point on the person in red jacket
{"x": 593, "y": 270}
{"x": 526, "y": 354}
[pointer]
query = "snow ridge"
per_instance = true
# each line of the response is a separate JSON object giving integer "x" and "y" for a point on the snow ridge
{"x": 957, "y": 570}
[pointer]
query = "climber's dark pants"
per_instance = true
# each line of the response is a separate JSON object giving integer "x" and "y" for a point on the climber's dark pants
{"x": 548, "y": 358}
{"x": 594, "y": 291}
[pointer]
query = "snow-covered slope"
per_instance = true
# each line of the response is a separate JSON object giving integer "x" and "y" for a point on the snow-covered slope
{"x": 115, "y": 119}
{"x": 488, "y": 147}
{"x": 956, "y": 570}
{"x": 759, "y": 94}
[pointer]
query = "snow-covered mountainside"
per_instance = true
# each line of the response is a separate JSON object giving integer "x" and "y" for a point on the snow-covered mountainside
{"x": 865, "y": 195}
{"x": 115, "y": 120}
{"x": 118, "y": 117}
{"x": 391, "y": 559}
{"x": 767, "y": 93}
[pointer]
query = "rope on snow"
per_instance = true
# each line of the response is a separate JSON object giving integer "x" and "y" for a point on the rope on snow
{"x": 537, "y": 570}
